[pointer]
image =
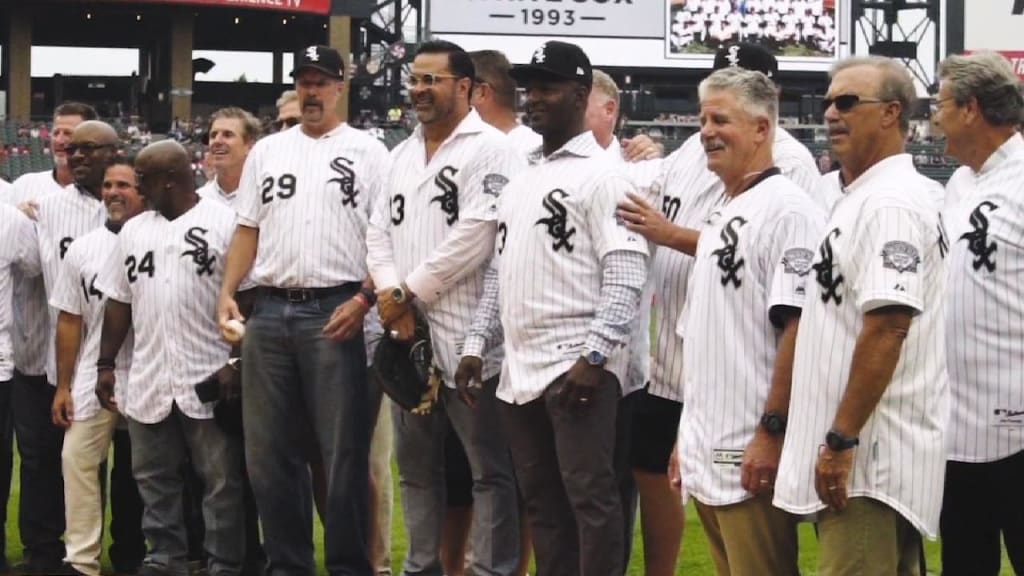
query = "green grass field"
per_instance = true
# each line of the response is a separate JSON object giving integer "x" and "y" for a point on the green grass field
{"x": 694, "y": 559}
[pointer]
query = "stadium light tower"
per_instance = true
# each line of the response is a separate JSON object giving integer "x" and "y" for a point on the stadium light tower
{"x": 385, "y": 35}
{"x": 898, "y": 29}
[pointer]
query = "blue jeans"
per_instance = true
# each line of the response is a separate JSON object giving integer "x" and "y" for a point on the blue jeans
{"x": 157, "y": 453}
{"x": 295, "y": 379}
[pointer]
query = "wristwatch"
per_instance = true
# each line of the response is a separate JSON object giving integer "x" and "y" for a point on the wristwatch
{"x": 398, "y": 295}
{"x": 836, "y": 442}
{"x": 595, "y": 358}
{"x": 774, "y": 423}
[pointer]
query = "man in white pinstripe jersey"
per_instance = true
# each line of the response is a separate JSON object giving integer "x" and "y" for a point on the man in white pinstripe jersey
{"x": 977, "y": 109}
{"x": 161, "y": 282}
{"x": 429, "y": 240}
{"x": 564, "y": 329}
{"x": 865, "y": 440}
{"x": 306, "y": 195}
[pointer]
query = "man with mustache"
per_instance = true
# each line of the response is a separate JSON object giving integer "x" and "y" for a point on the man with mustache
{"x": 429, "y": 239}
{"x": 977, "y": 109}
{"x": 88, "y": 428}
{"x": 306, "y": 195}
{"x": 865, "y": 441}
{"x": 564, "y": 334}
{"x": 40, "y": 511}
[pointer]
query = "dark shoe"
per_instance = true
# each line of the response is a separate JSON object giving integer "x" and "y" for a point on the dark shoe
{"x": 151, "y": 570}
{"x": 40, "y": 567}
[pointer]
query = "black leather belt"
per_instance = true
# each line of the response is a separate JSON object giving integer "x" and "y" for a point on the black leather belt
{"x": 307, "y": 294}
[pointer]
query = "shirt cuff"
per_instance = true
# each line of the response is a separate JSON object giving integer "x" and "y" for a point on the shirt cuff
{"x": 243, "y": 221}
{"x": 384, "y": 278}
{"x": 424, "y": 285}
{"x": 473, "y": 346}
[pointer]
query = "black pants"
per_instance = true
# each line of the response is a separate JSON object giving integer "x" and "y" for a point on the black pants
{"x": 41, "y": 506}
{"x": 981, "y": 503}
{"x": 6, "y": 462}
{"x": 565, "y": 463}
{"x": 128, "y": 545}
{"x": 628, "y": 491}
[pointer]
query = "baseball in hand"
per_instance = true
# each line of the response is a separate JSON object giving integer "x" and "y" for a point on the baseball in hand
{"x": 233, "y": 330}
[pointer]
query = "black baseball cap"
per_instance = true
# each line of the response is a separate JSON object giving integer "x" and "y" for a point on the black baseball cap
{"x": 747, "y": 56}
{"x": 554, "y": 59}
{"x": 321, "y": 58}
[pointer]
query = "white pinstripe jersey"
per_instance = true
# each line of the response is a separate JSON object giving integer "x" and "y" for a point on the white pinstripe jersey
{"x": 556, "y": 221}
{"x": 644, "y": 176}
{"x": 75, "y": 292}
{"x": 412, "y": 229}
{"x": 755, "y": 257}
{"x": 525, "y": 140}
{"x": 311, "y": 200}
{"x": 985, "y": 308}
{"x": 882, "y": 246}
{"x": 170, "y": 272}
{"x": 19, "y": 254}
{"x": 61, "y": 217}
{"x": 31, "y": 312}
{"x": 830, "y": 190}
{"x": 6, "y": 191}
{"x": 690, "y": 193}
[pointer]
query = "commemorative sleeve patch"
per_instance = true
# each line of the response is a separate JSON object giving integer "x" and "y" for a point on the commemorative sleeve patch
{"x": 900, "y": 256}
{"x": 797, "y": 261}
{"x": 494, "y": 183}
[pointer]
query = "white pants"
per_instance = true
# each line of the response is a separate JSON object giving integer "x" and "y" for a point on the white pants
{"x": 86, "y": 446}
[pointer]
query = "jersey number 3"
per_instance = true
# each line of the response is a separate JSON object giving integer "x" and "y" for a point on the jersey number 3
{"x": 137, "y": 268}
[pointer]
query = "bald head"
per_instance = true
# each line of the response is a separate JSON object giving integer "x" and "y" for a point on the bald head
{"x": 92, "y": 147}
{"x": 95, "y": 131}
{"x": 164, "y": 174}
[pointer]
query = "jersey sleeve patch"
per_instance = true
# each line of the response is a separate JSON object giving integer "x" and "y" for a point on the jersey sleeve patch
{"x": 797, "y": 261}
{"x": 494, "y": 184}
{"x": 900, "y": 256}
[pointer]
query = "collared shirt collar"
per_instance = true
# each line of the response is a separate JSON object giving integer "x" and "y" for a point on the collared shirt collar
{"x": 471, "y": 124}
{"x": 583, "y": 145}
{"x": 217, "y": 188}
{"x": 881, "y": 169}
{"x": 1013, "y": 147}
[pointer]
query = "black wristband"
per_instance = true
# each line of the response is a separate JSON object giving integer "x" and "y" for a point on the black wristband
{"x": 370, "y": 295}
{"x": 105, "y": 364}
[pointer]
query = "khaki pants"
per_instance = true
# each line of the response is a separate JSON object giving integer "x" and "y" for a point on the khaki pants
{"x": 86, "y": 445}
{"x": 751, "y": 538}
{"x": 867, "y": 538}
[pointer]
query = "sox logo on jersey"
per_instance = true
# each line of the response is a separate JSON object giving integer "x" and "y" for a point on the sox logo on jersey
{"x": 826, "y": 276}
{"x": 346, "y": 180}
{"x": 448, "y": 199}
{"x": 200, "y": 252}
{"x": 726, "y": 255}
{"x": 977, "y": 240}
{"x": 556, "y": 223}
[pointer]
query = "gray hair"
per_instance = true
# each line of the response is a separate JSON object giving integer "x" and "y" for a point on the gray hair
{"x": 896, "y": 86}
{"x": 755, "y": 91}
{"x": 286, "y": 97}
{"x": 989, "y": 78}
{"x": 604, "y": 84}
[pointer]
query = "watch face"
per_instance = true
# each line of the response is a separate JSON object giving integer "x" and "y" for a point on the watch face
{"x": 398, "y": 295}
{"x": 595, "y": 358}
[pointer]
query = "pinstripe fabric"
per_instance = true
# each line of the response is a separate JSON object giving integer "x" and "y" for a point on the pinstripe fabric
{"x": 770, "y": 232}
{"x": 31, "y": 312}
{"x": 881, "y": 247}
{"x": 19, "y": 253}
{"x": 556, "y": 221}
{"x": 690, "y": 193}
{"x": 311, "y": 199}
{"x": 985, "y": 307}
{"x": 61, "y": 217}
{"x": 75, "y": 292}
{"x": 434, "y": 228}
{"x": 525, "y": 140}
{"x": 163, "y": 269}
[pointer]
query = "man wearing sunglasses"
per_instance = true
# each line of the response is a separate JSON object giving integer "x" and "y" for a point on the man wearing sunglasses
{"x": 289, "y": 113}
{"x": 306, "y": 195}
{"x": 41, "y": 510}
{"x": 865, "y": 444}
{"x": 494, "y": 98}
{"x": 429, "y": 240}
{"x": 977, "y": 109}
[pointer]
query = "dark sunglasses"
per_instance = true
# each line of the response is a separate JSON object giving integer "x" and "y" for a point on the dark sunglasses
{"x": 285, "y": 123}
{"x": 846, "y": 102}
{"x": 85, "y": 148}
